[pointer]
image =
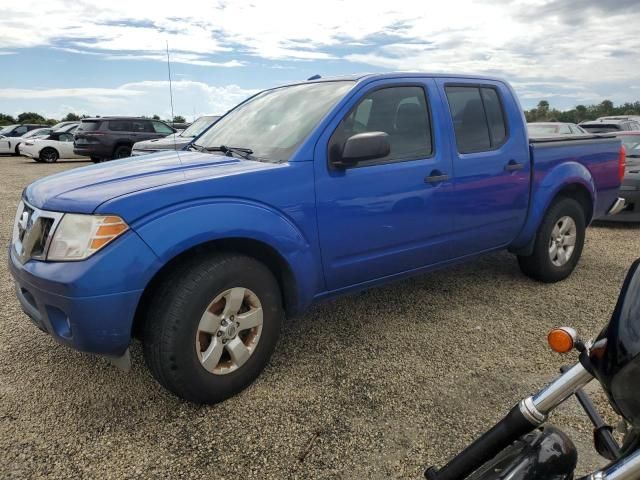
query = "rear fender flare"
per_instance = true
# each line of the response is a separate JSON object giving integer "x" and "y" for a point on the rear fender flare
{"x": 544, "y": 193}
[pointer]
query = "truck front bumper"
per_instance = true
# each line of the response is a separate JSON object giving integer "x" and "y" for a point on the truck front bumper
{"x": 80, "y": 304}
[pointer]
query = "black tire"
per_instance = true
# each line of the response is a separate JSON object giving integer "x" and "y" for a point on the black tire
{"x": 96, "y": 159}
{"x": 539, "y": 264}
{"x": 122, "y": 151}
{"x": 17, "y": 150}
{"x": 172, "y": 320}
{"x": 49, "y": 155}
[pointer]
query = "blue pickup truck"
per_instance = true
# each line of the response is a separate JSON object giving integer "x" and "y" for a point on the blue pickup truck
{"x": 299, "y": 194}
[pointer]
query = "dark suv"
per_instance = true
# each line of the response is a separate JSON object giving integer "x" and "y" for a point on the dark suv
{"x": 106, "y": 138}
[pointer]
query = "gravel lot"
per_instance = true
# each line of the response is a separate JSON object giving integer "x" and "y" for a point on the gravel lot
{"x": 374, "y": 385}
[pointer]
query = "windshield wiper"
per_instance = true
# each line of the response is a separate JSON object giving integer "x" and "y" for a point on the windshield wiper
{"x": 195, "y": 146}
{"x": 243, "y": 152}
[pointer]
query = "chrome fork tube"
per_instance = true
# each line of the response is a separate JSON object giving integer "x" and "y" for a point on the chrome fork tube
{"x": 625, "y": 469}
{"x": 537, "y": 407}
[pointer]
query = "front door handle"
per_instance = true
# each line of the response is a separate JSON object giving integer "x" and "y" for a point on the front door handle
{"x": 436, "y": 177}
{"x": 513, "y": 166}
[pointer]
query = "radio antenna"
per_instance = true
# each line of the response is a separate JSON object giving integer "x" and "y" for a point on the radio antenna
{"x": 175, "y": 144}
{"x": 170, "y": 85}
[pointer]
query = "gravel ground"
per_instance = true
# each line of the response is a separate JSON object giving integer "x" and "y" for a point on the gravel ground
{"x": 375, "y": 385}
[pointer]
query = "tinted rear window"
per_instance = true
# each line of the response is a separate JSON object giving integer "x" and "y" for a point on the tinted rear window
{"x": 120, "y": 125}
{"x": 601, "y": 128}
{"x": 89, "y": 125}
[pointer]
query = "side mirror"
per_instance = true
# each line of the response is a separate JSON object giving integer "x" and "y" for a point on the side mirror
{"x": 363, "y": 146}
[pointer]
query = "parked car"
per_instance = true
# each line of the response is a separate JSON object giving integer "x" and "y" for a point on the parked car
{"x": 175, "y": 141}
{"x": 107, "y": 138}
{"x": 630, "y": 188}
{"x": 552, "y": 129}
{"x": 299, "y": 194}
{"x": 50, "y": 148}
{"x": 635, "y": 118}
{"x": 8, "y": 133}
{"x": 20, "y": 129}
{"x": 10, "y": 144}
{"x": 608, "y": 126}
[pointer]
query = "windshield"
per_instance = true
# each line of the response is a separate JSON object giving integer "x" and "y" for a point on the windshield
{"x": 36, "y": 132}
{"x": 197, "y": 127}
{"x": 274, "y": 123}
{"x": 7, "y": 129}
{"x": 631, "y": 144}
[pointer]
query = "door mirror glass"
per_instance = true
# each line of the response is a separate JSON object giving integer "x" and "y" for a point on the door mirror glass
{"x": 363, "y": 146}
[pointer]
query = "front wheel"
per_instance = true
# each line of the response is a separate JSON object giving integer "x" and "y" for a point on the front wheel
{"x": 558, "y": 243}
{"x": 212, "y": 326}
{"x": 49, "y": 155}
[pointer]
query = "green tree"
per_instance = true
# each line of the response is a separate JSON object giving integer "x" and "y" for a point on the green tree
{"x": 6, "y": 119}
{"x": 30, "y": 117}
{"x": 71, "y": 117}
{"x": 156, "y": 117}
{"x": 179, "y": 119}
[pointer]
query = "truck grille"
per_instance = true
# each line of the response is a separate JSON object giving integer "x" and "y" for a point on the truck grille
{"x": 32, "y": 232}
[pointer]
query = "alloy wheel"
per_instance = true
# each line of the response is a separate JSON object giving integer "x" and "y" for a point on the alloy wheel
{"x": 229, "y": 331}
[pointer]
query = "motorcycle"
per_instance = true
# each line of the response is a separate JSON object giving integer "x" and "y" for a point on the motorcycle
{"x": 520, "y": 447}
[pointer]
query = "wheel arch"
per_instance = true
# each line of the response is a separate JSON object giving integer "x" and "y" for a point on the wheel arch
{"x": 570, "y": 179}
{"x": 121, "y": 143}
{"x": 255, "y": 249}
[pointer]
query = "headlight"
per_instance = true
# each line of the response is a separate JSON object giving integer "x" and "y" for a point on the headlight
{"x": 80, "y": 236}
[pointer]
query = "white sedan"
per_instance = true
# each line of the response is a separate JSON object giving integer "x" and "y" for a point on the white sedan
{"x": 49, "y": 149}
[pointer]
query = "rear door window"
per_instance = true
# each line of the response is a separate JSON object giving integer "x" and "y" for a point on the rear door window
{"x": 478, "y": 118}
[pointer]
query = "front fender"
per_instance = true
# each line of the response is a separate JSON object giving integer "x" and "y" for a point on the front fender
{"x": 545, "y": 188}
{"x": 170, "y": 233}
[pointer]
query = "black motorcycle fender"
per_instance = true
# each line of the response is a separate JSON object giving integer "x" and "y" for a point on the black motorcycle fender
{"x": 547, "y": 454}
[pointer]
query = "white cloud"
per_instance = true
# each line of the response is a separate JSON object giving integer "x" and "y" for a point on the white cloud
{"x": 580, "y": 44}
{"x": 138, "y": 98}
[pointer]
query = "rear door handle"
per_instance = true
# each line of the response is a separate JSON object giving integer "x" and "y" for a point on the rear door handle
{"x": 436, "y": 177}
{"x": 513, "y": 166}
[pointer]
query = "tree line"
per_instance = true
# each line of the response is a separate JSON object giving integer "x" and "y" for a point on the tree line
{"x": 544, "y": 113}
{"x": 32, "y": 117}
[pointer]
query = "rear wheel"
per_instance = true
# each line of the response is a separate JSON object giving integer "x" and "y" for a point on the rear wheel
{"x": 558, "y": 244}
{"x": 49, "y": 155}
{"x": 122, "y": 151}
{"x": 212, "y": 327}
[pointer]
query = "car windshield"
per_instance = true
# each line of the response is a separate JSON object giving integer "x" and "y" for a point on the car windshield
{"x": 37, "y": 132}
{"x": 631, "y": 144}
{"x": 7, "y": 129}
{"x": 542, "y": 129}
{"x": 197, "y": 127}
{"x": 275, "y": 122}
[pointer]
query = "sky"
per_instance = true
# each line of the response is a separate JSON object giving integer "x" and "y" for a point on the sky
{"x": 108, "y": 57}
